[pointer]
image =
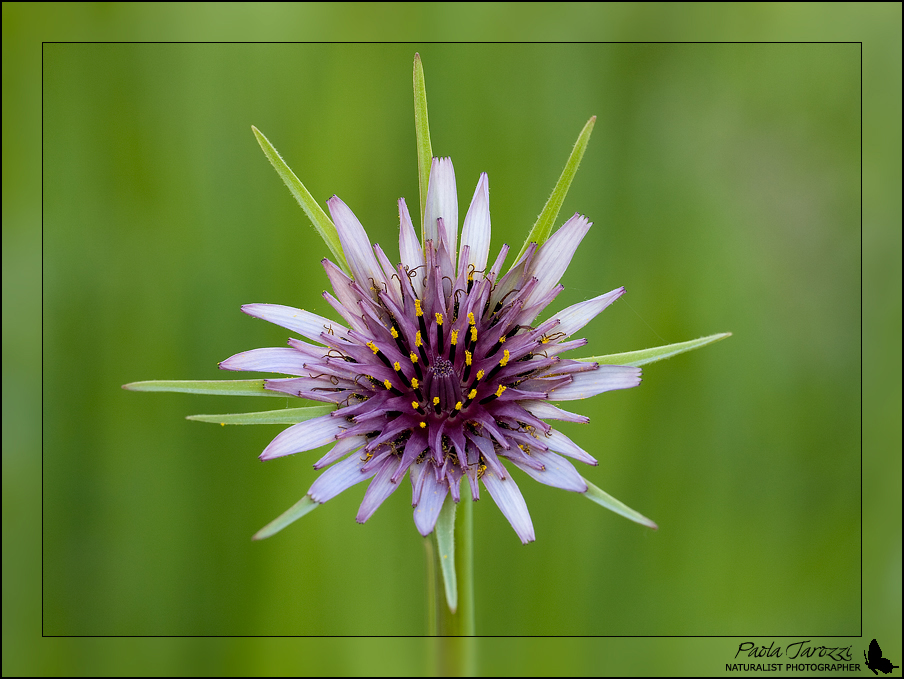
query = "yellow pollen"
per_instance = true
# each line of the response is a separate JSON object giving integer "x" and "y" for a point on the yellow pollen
{"x": 502, "y": 340}
{"x": 471, "y": 318}
{"x": 414, "y": 382}
{"x": 505, "y": 358}
{"x": 439, "y": 319}
{"x": 473, "y": 333}
{"x": 417, "y": 308}
{"x": 544, "y": 339}
{"x": 458, "y": 406}
{"x": 436, "y": 400}
{"x": 417, "y": 339}
{"x": 397, "y": 366}
{"x": 394, "y": 333}
{"x": 500, "y": 390}
{"x": 423, "y": 425}
{"x": 387, "y": 384}
{"x": 480, "y": 374}
{"x": 373, "y": 347}
{"x": 413, "y": 357}
{"x": 467, "y": 357}
{"x": 415, "y": 405}
{"x": 472, "y": 394}
{"x": 454, "y": 339}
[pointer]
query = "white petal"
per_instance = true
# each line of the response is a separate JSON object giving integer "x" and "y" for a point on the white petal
{"x": 278, "y": 360}
{"x": 355, "y": 244}
{"x": 593, "y": 382}
{"x": 305, "y": 436}
{"x": 442, "y": 201}
{"x": 578, "y": 315}
{"x": 298, "y": 320}
{"x": 410, "y": 249}
{"x": 510, "y": 502}
{"x": 475, "y": 233}
{"x": 554, "y": 256}
{"x": 558, "y": 442}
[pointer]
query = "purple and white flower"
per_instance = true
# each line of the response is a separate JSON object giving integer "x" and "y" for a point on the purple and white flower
{"x": 441, "y": 370}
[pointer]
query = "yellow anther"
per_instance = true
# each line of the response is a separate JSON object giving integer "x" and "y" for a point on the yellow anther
{"x": 458, "y": 406}
{"x": 417, "y": 308}
{"x": 414, "y": 382}
{"x": 423, "y": 425}
{"x": 415, "y": 405}
{"x": 394, "y": 333}
{"x": 454, "y": 338}
{"x": 439, "y": 318}
{"x": 387, "y": 384}
{"x": 480, "y": 374}
{"x": 471, "y": 318}
{"x": 502, "y": 340}
{"x": 473, "y": 333}
{"x": 397, "y": 366}
{"x": 472, "y": 394}
{"x": 436, "y": 400}
{"x": 417, "y": 339}
{"x": 413, "y": 357}
{"x": 544, "y": 339}
{"x": 500, "y": 390}
{"x": 373, "y": 347}
{"x": 505, "y": 358}
{"x": 467, "y": 357}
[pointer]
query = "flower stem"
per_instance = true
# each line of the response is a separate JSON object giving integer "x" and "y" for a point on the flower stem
{"x": 455, "y": 647}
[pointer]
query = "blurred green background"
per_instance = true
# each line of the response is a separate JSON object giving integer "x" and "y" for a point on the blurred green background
{"x": 724, "y": 183}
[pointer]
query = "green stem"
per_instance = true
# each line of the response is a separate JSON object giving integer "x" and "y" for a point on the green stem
{"x": 455, "y": 645}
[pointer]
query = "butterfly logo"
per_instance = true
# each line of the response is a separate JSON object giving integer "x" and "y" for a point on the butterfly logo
{"x": 875, "y": 661}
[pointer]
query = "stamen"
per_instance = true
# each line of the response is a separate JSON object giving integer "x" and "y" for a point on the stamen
{"x": 417, "y": 368}
{"x": 491, "y": 397}
{"x": 439, "y": 331}
{"x": 436, "y": 404}
{"x": 453, "y": 340}
{"x": 423, "y": 425}
{"x": 468, "y": 360}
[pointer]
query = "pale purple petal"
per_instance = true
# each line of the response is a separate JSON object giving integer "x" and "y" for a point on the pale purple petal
{"x": 356, "y": 245}
{"x": 278, "y": 360}
{"x": 578, "y": 315}
{"x": 558, "y": 472}
{"x": 593, "y": 382}
{"x": 340, "y": 450}
{"x": 554, "y": 256}
{"x": 510, "y": 502}
{"x": 475, "y": 233}
{"x": 558, "y": 442}
{"x": 298, "y": 320}
{"x": 341, "y": 476}
{"x": 410, "y": 248}
{"x": 305, "y": 436}
{"x": 433, "y": 494}
{"x": 442, "y": 202}
{"x": 379, "y": 489}
{"x": 548, "y": 411}
{"x": 347, "y": 296}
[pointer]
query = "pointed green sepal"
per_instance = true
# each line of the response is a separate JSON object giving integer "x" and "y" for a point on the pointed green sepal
{"x": 322, "y": 223}
{"x": 422, "y": 135}
{"x": 603, "y": 499}
{"x": 445, "y": 540}
{"x": 304, "y": 506}
{"x": 285, "y": 416}
{"x": 213, "y": 387}
{"x": 547, "y": 218}
{"x": 644, "y": 356}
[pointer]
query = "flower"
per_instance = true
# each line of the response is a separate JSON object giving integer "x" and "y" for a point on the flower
{"x": 441, "y": 371}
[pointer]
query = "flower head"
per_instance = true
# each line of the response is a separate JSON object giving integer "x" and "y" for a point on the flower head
{"x": 441, "y": 370}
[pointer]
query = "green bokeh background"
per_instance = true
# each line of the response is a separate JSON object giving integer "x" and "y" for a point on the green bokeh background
{"x": 724, "y": 183}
